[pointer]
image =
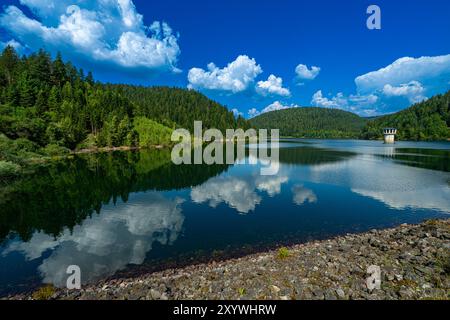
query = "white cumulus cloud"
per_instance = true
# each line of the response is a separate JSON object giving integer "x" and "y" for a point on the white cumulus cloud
{"x": 272, "y": 86}
{"x": 235, "y": 77}
{"x": 253, "y": 112}
{"x": 394, "y": 87}
{"x": 107, "y": 31}
{"x": 303, "y": 72}
{"x": 412, "y": 90}
{"x": 277, "y": 105}
{"x": 404, "y": 70}
{"x": 338, "y": 101}
{"x": 361, "y": 104}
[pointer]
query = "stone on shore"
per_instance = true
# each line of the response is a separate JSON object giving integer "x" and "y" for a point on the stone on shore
{"x": 414, "y": 262}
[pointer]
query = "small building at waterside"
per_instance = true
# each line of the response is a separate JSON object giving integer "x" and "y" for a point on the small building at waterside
{"x": 389, "y": 135}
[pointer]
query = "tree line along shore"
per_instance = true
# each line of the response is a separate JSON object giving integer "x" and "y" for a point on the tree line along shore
{"x": 49, "y": 108}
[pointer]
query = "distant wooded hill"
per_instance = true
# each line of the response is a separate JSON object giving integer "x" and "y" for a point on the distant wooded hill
{"x": 428, "y": 120}
{"x": 312, "y": 122}
{"x": 425, "y": 121}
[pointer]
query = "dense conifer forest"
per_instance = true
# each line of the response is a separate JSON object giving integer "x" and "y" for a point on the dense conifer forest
{"x": 425, "y": 121}
{"x": 49, "y": 107}
{"x": 312, "y": 123}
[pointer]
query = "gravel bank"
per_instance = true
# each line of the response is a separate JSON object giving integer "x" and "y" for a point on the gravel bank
{"x": 414, "y": 261}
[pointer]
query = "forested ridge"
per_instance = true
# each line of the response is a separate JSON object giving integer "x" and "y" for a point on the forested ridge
{"x": 428, "y": 120}
{"x": 48, "y": 107}
{"x": 179, "y": 107}
{"x": 425, "y": 121}
{"x": 312, "y": 122}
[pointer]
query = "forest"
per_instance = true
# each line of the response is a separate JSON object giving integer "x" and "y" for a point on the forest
{"x": 311, "y": 122}
{"x": 49, "y": 107}
{"x": 425, "y": 121}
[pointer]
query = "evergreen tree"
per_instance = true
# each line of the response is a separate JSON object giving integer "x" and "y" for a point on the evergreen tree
{"x": 26, "y": 91}
{"x": 9, "y": 62}
{"x": 90, "y": 79}
{"x": 50, "y": 102}
{"x": 41, "y": 102}
{"x": 59, "y": 72}
{"x": 54, "y": 99}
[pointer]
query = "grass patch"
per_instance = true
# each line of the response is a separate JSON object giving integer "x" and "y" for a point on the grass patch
{"x": 44, "y": 293}
{"x": 283, "y": 253}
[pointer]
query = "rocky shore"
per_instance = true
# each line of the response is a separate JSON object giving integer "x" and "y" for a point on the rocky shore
{"x": 414, "y": 262}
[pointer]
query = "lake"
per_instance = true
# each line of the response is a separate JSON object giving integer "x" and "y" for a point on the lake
{"x": 123, "y": 213}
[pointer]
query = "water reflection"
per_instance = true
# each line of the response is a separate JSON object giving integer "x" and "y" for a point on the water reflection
{"x": 434, "y": 159}
{"x": 302, "y": 195}
{"x": 63, "y": 194}
{"x": 104, "y": 212}
{"x": 106, "y": 243}
{"x": 396, "y": 185}
{"x": 238, "y": 192}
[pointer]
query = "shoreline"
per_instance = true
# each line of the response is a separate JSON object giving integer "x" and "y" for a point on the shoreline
{"x": 414, "y": 262}
{"x": 112, "y": 149}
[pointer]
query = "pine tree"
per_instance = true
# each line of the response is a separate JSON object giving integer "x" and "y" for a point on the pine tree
{"x": 54, "y": 99}
{"x": 26, "y": 91}
{"x": 9, "y": 61}
{"x": 67, "y": 92}
{"x": 59, "y": 75}
{"x": 39, "y": 69}
{"x": 90, "y": 78}
{"x": 12, "y": 95}
{"x": 41, "y": 102}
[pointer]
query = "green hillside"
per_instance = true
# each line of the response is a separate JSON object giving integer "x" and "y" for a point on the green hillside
{"x": 48, "y": 107}
{"x": 310, "y": 122}
{"x": 172, "y": 106}
{"x": 428, "y": 120}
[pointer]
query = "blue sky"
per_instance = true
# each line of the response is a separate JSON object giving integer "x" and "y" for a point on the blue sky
{"x": 252, "y": 56}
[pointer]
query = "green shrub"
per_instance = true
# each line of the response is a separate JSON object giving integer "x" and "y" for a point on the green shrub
{"x": 117, "y": 133}
{"x": 151, "y": 133}
{"x": 89, "y": 143}
{"x": 283, "y": 253}
{"x": 17, "y": 150}
{"x": 9, "y": 169}
{"x": 54, "y": 150}
{"x": 23, "y": 145}
{"x": 44, "y": 293}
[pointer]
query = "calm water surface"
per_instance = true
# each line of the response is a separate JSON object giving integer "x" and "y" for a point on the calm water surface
{"x": 128, "y": 211}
